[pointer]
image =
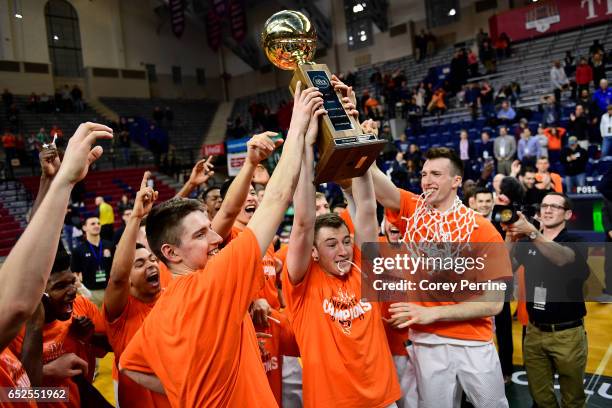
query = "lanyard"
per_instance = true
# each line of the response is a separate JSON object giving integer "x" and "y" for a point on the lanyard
{"x": 99, "y": 255}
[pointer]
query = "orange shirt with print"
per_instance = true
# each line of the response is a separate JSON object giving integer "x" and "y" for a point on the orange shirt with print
{"x": 270, "y": 289}
{"x": 342, "y": 341}
{"x": 120, "y": 331}
{"x": 199, "y": 339}
{"x": 12, "y": 374}
{"x": 480, "y": 329}
{"x": 57, "y": 341}
{"x": 282, "y": 343}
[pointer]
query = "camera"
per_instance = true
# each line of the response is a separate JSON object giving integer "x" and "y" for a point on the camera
{"x": 508, "y": 214}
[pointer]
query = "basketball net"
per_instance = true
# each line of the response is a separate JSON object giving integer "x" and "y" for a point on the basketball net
{"x": 432, "y": 233}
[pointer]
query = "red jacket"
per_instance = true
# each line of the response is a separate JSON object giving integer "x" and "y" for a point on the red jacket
{"x": 584, "y": 74}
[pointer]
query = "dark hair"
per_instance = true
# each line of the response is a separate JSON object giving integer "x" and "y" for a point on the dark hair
{"x": 482, "y": 190}
{"x": 330, "y": 220}
{"x": 567, "y": 202}
{"x": 208, "y": 190}
{"x": 61, "y": 263}
{"x": 512, "y": 188}
{"x": 446, "y": 153}
{"x": 225, "y": 186}
{"x": 164, "y": 223}
{"x": 527, "y": 169}
{"x": 140, "y": 246}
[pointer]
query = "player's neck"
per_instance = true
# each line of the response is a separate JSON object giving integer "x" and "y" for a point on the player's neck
{"x": 144, "y": 298}
{"x": 446, "y": 205}
{"x": 180, "y": 269}
{"x": 239, "y": 225}
{"x": 93, "y": 239}
{"x": 552, "y": 232}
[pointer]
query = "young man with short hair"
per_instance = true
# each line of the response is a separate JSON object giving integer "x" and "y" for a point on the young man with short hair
{"x": 483, "y": 201}
{"x": 198, "y": 344}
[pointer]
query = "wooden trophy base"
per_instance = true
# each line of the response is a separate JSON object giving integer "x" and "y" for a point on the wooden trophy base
{"x": 344, "y": 150}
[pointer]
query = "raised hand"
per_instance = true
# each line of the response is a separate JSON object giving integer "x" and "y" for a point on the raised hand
{"x": 145, "y": 198}
{"x": 49, "y": 162}
{"x": 313, "y": 126}
{"x": 349, "y": 99}
{"x": 260, "y": 309}
{"x": 261, "y": 146}
{"x": 304, "y": 103}
{"x": 82, "y": 328}
{"x": 370, "y": 127}
{"x": 79, "y": 153}
{"x": 202, "y": 171}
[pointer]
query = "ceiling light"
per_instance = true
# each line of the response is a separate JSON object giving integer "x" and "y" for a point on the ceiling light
{"x": 17, "y": 15}
{"x": 452, "y": 12}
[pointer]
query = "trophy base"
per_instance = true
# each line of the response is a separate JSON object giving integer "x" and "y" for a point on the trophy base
{"x": 344, "y": 151}
{"x": 347, "y": 157}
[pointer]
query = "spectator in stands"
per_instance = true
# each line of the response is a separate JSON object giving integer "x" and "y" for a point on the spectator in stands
{"x": 371, "y": 106}
{"x": 486, "y": 100}
{"x": 32, "y": 103}
{"x": 399, "y": 171}
{"x": 414, "y": 114}
{"x": 472, "y": 60}
{"x": 45, "y": 104}
{"x": 558, "y": 80}
{"x": 481, "y": 37}
{"x": 579, "y": 126}
{"x": 504, "y": 147}
{"x": 77, "y": 98}
{"x": 574, "y": 160}
{"x": 169, "y": 115}
{"x": 32, "y": 148}
{"x": 596, "y": 48}
{"x": 584, "y": 75}
{"x": 472, "y": 95}
{"x": 125, "y": 144}
{"x": 420, "y": 42}
{"x": 545, "y": 179}
{"x": 437, "y": 105}
{"x": 603, "y": 96}
{"x": 543, "y": 141}
{"x": 376, "y": 80}
{"x": 555, "y": 137}
{"x": 568, "y": 64}
{"x": 533, "y": 195}
{"x": 598, "y": 64}
{"x": 126, "y": 213}
{"x": 20, "y": 148}
{"x": 158, "y": 116}
{"x": 66, "y": 101}
{"x": 7, "y": 99}
{"x": 518, "y": 130}
{"x": 124, "y": 203}
{"x": 605, "y": 127}
{"x": 431, "y": 43}
{"x": 528, "y": 149}
{"x": 487, "y": 56}
{"x": 389, "y": 151}
{"x": 467, "y": 153}
{"x": 550, "y": 114}
{"x": 502, "y": 46}
{"x": 458, "y": 70}
{"x": 9, "y": 141}
{"x": 107, "y": 218}
{"x": 414, "y": 155}
{"x": 506, "y": 114}
{"x": 42, "y": 136}
{"x": 13, "y": 117}
{"x": 485, "y": 148}
{"x": 402, "y": 143}
{"x": 212, "y": 199}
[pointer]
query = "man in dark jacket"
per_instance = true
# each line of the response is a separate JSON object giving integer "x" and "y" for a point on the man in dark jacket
{"x": 574, "y": 160}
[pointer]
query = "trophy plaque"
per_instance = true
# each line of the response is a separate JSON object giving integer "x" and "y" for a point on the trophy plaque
{"x": 289, "y": 41}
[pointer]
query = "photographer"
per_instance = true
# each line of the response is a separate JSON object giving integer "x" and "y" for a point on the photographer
{"x": 555, "y": 271}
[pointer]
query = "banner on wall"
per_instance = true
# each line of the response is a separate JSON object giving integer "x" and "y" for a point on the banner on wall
{"x": 549, "y": 16}
{"x": 236, "y": 155}
{"x": 238, "y": 20}
{"x": 177, "y": 17}
{"x": 217, "y": 149}
{"x": 213, "y": 30}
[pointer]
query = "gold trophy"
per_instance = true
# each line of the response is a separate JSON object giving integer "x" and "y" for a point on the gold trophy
{"x": 290, "y": 41}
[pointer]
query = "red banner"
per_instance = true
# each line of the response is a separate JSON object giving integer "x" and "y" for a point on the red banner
{"x": 213, "y": 30}
{"x": 213, "y": 149}
{"x": 548, "y": 16}
{"x": 177, "y": 16}
{"x": 238, "y": 20}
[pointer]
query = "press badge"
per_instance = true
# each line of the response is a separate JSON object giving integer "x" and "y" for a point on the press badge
{"x": 539, "y": 298}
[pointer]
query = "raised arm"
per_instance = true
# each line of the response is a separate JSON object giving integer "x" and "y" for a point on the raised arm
{"x": 281, "y": 186}
{"x": 49, "y": 164}
{"x": 259, "y": 148}
{"x": 302, "y": 231}
{"x": 366, "y": 224}
{"x": 118, "y": 288}
{"x": 23, "y": 276}
{"x": 200, "y": 174}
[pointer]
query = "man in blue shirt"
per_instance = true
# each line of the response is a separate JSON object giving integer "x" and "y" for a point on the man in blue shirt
{"x": 603, "y": 96}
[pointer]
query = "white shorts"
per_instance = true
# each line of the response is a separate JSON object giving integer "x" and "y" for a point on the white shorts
{"x": 292, "y": 382}
{"x": 443, "y": 370}
{"x": 407, "y": 378}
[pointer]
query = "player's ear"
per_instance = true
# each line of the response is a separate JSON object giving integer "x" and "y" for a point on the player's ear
{"x": 457, "y": 181}
{"x": 170, "y": 254}
{"x": 315, "y": 253}
{"x": 568, "y": 215}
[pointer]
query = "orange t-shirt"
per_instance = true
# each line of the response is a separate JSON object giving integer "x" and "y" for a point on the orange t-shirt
{"x": 199, "y": 339}
{"x": 165, "y": 276}
{"x": 555, "y": 179}
{"x": 282, "y": 343}
{"x": 12, "y": 374}
{"x": 480, "y": 329}
{"x": 120, "y": 331}
{"x": 554, "y": 142}
{"x": 270, "y": 289}
{"x": 346, "y": 216}
{"x": 342, "y": 341}
{"x": 57, "y": 341}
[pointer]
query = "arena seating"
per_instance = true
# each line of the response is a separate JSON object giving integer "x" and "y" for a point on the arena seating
{"x": 191, "y": 117}
{"x": 14, "y": 204}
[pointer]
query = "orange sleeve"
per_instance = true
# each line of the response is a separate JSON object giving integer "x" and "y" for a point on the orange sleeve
{"x": 295, "y": 294}
{"x": 282, "y": 253}
{"x": 407, "y": 205}
{"x": 346, "y": 216}
{"x": 557, "y": 182}
{"x": 133, "y": 357}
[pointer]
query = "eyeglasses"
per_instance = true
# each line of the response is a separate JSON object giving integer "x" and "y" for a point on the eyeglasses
{"x": 552, "y": 206}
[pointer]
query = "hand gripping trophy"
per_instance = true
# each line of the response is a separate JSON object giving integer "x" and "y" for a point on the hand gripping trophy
{"x": 289, "y": 41}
